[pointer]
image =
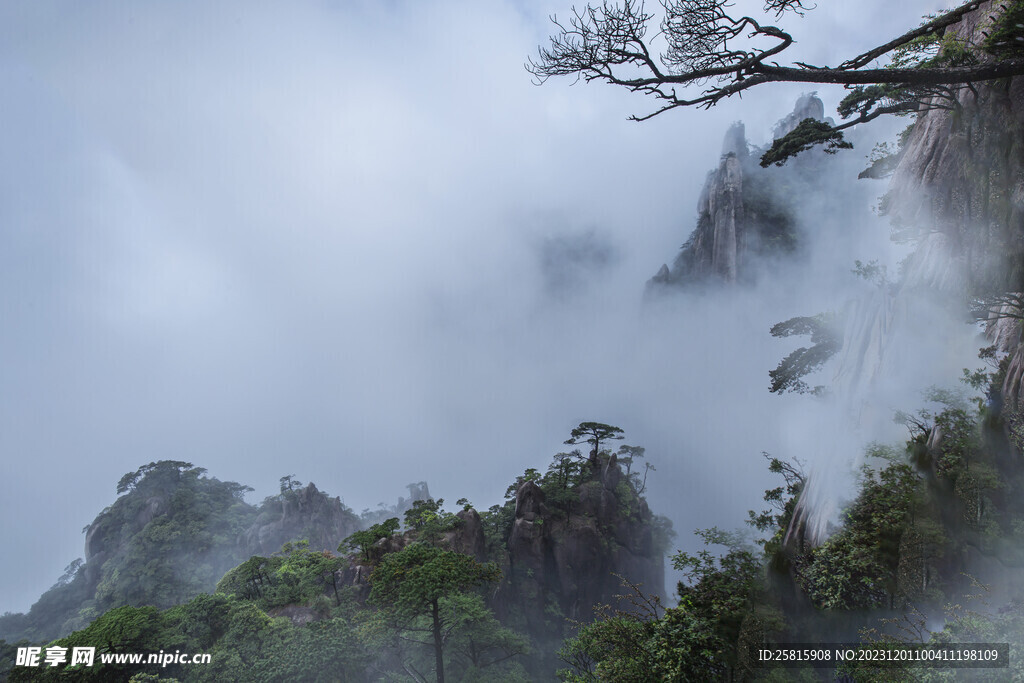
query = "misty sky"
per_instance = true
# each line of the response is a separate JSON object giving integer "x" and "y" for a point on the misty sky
{"x": 352, "y": 242}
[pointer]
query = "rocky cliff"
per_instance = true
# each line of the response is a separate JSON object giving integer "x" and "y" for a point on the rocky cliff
{"x": 172, "y": 534}
{"x": 745, "y": 213}
{"x": 575, "y": 558}
{"x": 562, "y": 552}
{"x": 958, "y": 192}
{"x": 961, "y": 176}
{"x": 305, "y": 513}
{"x": 957, "y": 195}
{"x": 564, "y": 542}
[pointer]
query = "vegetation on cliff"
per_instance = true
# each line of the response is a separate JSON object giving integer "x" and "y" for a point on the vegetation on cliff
{"x": 708, "y": 55}
{"x": 438, "y": 596}
{"x": 926, "y": 542}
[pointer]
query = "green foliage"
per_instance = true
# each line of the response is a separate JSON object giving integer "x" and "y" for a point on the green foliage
{"x": 782, "y": 500}
{"x": 188, "y": 516}
{"x": 845, "y": 573}
{"x": 428, "y": 521}
{"x": 408, "y": 582}
{"x": 245, "y": 644}
{"x": 616, "y": 648}
{"x": 531, "y": 474}
{"x": 477, "y": 645}
{"x": 168, "y": 537}
{"x": 722, "y": 610}
{"x": 807, "y": 134}
{"x": 297, "y": 575}
{"x": 594, "y": 433}
{"x": 497, "y": 524}
{"x": 256, "y": 647}
{"x": 423, "y": 596}
{"x": 618, "y": 645}
{"x": 627, "y": 456}
{"x": 289, "y": 483}
{"x": 121, "y": 630}
{"x": 789, "y": 374}
{"x": 1005, "y": 36}
{"x": 857, "y": 566}
{"x": 364, "y": 541}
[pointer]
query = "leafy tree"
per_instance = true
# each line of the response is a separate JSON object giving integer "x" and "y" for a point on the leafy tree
{"x": 256, "y": 647}
{"x": 721, "y": 612}
{"x": 305, "y": 574}
{"x": 857, "y": 567}
{"x": 560, "y": 483}
{"x": 479, "y": 645}
{"x": 289, "y": 483}
{"x": 249, "y": 580}
{"x": 364, "y": 541}
{"x": 628, "y": 455}
{"x": 826, "y": 342}
{"x": 157, "y": 475}
{"x": 530, "y": 474}
{"x": 594, "y": 433}
{"x": 705, "y": 60}
{"x": 783, "y": 501}
{"x": 429, "y": 521}
{"x": 497, "y": 523}
{"x": 189, "y": 515}
{"x": 416, "y": 591}
{"x": 295, "y": 575}
{"x": 564, "y": 466}
{"x": 618, "y": 644}
{"x": 807, "y": 134}
{"x": 121, "y": 630}
{"x": 170, "y": 535}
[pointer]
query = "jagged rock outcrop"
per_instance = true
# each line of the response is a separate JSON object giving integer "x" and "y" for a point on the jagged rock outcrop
{"x": 105, "y": 535}
{"x": 808, "y": 106}
{"x": 199, "y": 528}
{"x": 962, "y": 175}
{"x": 468, "y": 536}
{"x": 565, "y": 561}
{"x": 305, "y": 513}
{"x": 958, "y": 194}
{"x": 744, "y": 211}
{"x": 168, "y": 536}
{"x": 959, "y": 191}
{"x": 417, "y": 491}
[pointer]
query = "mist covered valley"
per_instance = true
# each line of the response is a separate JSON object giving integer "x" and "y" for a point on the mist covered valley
{"x": 253, "y": 277}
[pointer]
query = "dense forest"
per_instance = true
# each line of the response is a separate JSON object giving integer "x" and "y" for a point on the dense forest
{"x": 564, "y": 579}
{"x": 467, "y": 595}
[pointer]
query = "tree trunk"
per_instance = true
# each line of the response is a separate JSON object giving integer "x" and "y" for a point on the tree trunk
{"x": 438, "y": 649}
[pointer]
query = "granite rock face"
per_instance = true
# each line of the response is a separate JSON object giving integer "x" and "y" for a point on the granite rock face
{"x": 958, "y": 191}
{"x": 962, "y": 174}
{"x": 745, "y": 213}
{"x": 808, "y": 106}
{"x": 566, "y": 562}
{"x": 468, "y": 538}
{"x": 305, "y": 513}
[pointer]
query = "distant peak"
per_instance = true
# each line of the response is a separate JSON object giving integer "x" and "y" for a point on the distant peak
{"x": 735, "y": 141}
{"x": 808, "y": 106}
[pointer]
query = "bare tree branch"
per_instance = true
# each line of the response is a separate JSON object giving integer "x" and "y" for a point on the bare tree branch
{"x": 722, "y": 55}
{"x": 998, "y": 305}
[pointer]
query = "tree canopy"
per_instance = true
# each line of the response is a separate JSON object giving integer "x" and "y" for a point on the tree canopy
{"x": 415, "y": 586}
{"x": 593, "y": 433}
{"x": 708, "y": 55}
